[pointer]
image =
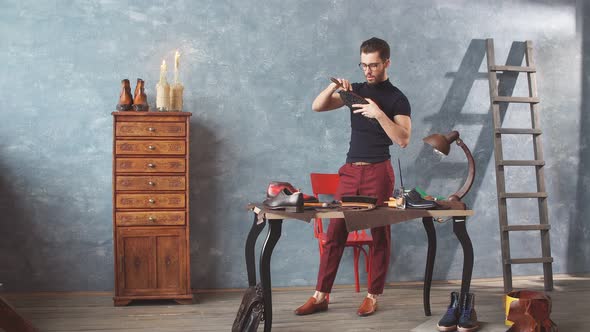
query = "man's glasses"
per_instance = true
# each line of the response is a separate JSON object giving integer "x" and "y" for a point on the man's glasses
{"x": 372, "y": 66}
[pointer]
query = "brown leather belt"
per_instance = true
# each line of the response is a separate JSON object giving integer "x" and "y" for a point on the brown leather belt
{"x": 361, "y": 163}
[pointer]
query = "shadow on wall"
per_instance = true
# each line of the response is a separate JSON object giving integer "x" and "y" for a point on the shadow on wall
{"x": 16, "y": 268}
{"x": 578, "y": 250}
{"x": 451, "y": 116}
{"x": 204, "y": 193}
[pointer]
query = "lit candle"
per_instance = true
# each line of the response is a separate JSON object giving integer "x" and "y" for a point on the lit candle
{"x": 163, "y": 90}
{"x": 176, "y": 88}
{"x": 163, "y": 69}
{"x": 176, "y": 65}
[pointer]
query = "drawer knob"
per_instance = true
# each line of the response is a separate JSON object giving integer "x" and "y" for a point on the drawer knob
{"x": 152, "y": 219}
{"x": 151, "y": 129}
{"x": 151, "y": 183}
{"x": 151, "y": 147}
{"x": 150, "y": 165}
{"x": 152, "y": 201}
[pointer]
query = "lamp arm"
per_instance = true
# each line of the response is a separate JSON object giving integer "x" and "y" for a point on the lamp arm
{"x": 470, "y": 176}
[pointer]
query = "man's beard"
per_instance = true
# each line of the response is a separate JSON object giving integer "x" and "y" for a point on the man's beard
{"x": 376, "y": 79}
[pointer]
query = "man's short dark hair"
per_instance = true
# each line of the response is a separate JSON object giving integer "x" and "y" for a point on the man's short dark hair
{"x": 376, "y": 45}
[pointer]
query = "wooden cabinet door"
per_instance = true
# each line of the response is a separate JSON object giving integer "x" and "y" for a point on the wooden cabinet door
{"x": 170, "y": 274}
{"x": 151, "y": 261}
{"x": 137, "y": 263}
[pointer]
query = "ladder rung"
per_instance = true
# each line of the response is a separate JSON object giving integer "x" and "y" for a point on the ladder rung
{"x": 507, "y": 99}
{"x": 513, "y": 68}
{"x": 524, "y": 195}
{"x": 518, "y": 131}
{"x": 522, "y": 163}
{"x": 528, "y": 260}
{"x": 541, "y": 227}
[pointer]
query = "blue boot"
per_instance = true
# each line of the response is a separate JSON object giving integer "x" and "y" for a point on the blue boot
{"x": 468, "y": 318}
{"x": 449, "y": 321}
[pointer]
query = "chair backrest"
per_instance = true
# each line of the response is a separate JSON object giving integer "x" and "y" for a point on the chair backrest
{"x": 323, "y": 184}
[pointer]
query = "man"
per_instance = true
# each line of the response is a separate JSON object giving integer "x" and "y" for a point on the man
{"x": 368, "y": 171}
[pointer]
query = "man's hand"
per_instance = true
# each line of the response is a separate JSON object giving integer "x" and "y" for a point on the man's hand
{"x": 328, "y": 99}
{"x": 370, "y": 110}
{"x": 344, "y": 83}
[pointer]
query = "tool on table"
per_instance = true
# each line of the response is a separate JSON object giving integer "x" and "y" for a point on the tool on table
{"x": 356, "y": 202}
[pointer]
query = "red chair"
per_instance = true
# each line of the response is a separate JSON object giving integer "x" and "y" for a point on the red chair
{"x": 327, "y": 184}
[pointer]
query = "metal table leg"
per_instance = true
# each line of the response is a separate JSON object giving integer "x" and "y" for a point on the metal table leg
{"x": 461, "y": 233}
{"x": 431, "y": 233}
{"x": 249, "y": 249}
{"x": 274, "y": 233}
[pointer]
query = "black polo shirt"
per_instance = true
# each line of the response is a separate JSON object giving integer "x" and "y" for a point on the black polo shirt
{"x": 368, "y": 141}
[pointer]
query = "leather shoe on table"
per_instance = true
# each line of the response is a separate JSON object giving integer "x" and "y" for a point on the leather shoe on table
{"x": 275, "y": 187}
{"x": 368, "y": 307}
{"x": 310, "y": 307}
{"x": 290, "y": 202}
{"x": 415, "y": 201}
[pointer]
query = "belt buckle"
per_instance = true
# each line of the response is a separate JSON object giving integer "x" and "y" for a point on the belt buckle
{"x": 361, "y": 163}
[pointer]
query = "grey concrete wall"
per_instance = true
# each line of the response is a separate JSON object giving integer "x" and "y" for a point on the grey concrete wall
{"x": 251, "y": 70}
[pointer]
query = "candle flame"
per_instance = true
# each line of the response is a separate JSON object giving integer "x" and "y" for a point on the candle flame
{"x": 176, "y": 60}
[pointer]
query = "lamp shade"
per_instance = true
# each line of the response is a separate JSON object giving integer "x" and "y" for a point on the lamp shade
{"x": 439, "y": 143}
{"x": 442, "y": 143}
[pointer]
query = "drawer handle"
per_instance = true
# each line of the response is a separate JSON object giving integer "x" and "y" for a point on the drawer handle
{"x": 150, "y": 165}
{"x": 151, "y": 183}
{"x": 151, "y": 147}
{"x": 152, "y": 201}
{"x": 152, "y": 219}
{"x": 151, "y": 129}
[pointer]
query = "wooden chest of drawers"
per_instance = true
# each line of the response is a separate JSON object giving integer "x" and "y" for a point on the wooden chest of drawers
{"x": 151, "y": 206}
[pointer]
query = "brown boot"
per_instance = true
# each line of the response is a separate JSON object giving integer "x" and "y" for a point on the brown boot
{"x": 140, "y": 100}
{"x": 137, "y": 89}
{"x": 125, "y": 99}
{"x": 310, "y": 307}
{"x": 530, "y": 312}
{"x": 368, "y": 307}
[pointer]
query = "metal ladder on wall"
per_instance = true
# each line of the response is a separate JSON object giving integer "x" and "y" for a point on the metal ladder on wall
{"x": 501, "y": 163}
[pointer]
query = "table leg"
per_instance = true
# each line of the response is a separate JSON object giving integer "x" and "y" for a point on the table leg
{"x": 274, "y": 233}
{"x": 249, "y": 249}
{"x": 461, "y": 232}
{"x": 431, "y": 233}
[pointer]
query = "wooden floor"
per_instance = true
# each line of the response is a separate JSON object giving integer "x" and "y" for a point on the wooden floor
{"x": 400, "y": 309}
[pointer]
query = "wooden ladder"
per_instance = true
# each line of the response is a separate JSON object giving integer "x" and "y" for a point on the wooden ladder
{"x": 501, "y": 163}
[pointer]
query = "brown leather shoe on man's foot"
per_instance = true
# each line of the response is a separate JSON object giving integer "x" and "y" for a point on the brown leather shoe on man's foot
{"x": 368, "y": 307}
{"x": 310, "y": 307}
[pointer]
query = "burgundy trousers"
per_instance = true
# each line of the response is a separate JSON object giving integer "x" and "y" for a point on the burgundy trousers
{"x": 371, "y": 180}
